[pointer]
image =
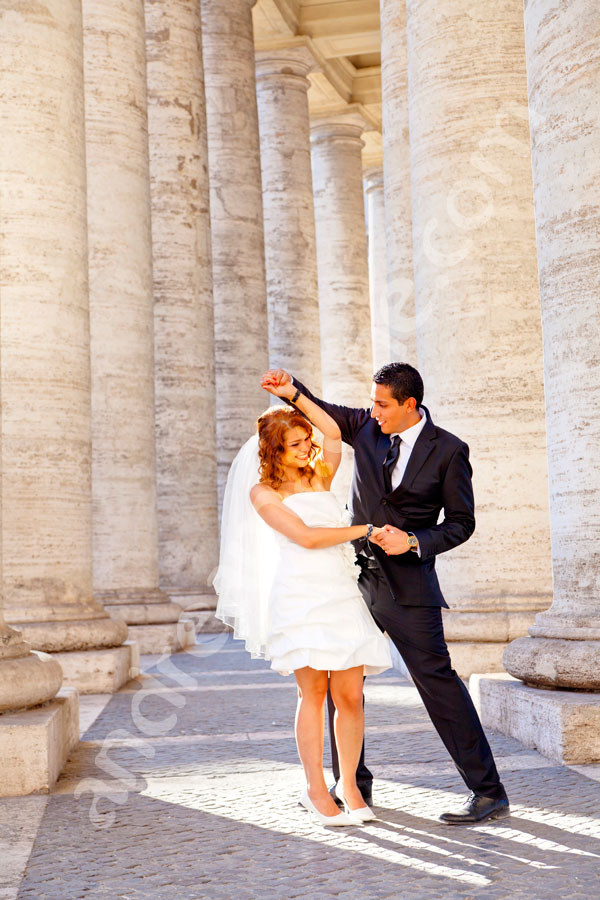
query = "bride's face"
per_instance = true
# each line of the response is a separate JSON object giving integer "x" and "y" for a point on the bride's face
{"x": 297, "y": 448}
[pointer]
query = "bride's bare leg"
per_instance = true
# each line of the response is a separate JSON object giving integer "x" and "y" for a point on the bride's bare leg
{"x": 349, "y": 725}
{"x": 312, "y": 690}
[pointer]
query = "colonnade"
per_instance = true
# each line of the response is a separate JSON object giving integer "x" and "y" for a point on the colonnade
{"x": 174, "y": 221}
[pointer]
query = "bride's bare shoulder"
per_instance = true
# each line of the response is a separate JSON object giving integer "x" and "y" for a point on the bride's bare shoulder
{"x": 263, "y": 493}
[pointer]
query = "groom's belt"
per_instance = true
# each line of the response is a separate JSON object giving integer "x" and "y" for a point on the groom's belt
{"x": 367, "y": 562}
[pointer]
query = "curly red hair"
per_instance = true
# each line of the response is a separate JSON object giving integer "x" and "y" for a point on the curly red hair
{"x": 272, "y": 427}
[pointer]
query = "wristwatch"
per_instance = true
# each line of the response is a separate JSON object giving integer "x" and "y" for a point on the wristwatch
{"x": 412, "y": 541}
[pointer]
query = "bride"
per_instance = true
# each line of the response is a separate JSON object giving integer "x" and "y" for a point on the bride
{"x": 287, "y": 583}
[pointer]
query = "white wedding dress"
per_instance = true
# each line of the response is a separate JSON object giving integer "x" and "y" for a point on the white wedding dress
{"x": 316, "y": 614}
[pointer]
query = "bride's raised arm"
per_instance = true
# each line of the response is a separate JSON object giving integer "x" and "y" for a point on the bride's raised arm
{"x": 279, "y": 383}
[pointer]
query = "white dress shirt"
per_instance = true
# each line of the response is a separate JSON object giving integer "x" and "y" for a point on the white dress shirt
{"x": 407, "y": 442}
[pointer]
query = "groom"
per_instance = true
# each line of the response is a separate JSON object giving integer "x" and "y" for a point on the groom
{"x": 406, "y": 470}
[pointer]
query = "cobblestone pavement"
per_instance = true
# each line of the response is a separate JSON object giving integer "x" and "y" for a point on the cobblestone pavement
{"x": 186, "y": 782}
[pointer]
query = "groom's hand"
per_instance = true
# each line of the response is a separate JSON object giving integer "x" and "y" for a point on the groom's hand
{"x": 393, "y": 540}
{"x": 278, "y": 382}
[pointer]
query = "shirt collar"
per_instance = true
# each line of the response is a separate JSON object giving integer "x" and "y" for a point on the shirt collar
{"x": 411, "y": 434}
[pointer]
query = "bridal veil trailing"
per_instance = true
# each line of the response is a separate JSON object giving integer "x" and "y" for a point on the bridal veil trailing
{"x": 248, "y": 556}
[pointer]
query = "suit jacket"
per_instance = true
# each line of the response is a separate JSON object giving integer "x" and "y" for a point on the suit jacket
{"x": 438, "y": 476}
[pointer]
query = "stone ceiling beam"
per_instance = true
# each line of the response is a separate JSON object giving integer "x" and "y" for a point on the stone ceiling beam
{"x": 344, "y": 17}
{"x": 276, "y": 17}
{"x": 366, "y": 85}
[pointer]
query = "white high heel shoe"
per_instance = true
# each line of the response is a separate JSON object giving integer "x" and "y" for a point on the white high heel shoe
{"x": 340, "y": 819}
{"x": 363, "y": 813}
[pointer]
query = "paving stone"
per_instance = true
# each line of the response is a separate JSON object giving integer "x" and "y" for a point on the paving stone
{"x": 192, "y": 793}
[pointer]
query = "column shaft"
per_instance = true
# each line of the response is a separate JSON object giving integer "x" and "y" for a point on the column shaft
{"x": 396, "y": 166}
{"x": 46, "y": 452}
{"x": 476, "y": 294}
{"x": 564, "y": 80}
{"x": 121, "y": 313}
{"x": 380, "y": 317}
{"x": 344, "y": 311}
{"x": 239, "y": 285}
{"x": 346, "y": 360}
{"x": 290, "y": 251}
{"x": 183, "y": 307}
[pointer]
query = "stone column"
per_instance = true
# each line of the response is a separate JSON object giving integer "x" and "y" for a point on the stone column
{"x": 183, "y": 308}
{"x": 380, "y": 318}
{"x": 122, "y": 327}
{"x": 396, "y": 166}
{"x": 476, "y": 294}
{"x": 290, "y": 251}
{"x": 239, "y": 285}
{"x": 342, "y": 259}
{"x": 564, "y": 83}
{"x": 46, "y": 450}
{"x": 346, "y": 359}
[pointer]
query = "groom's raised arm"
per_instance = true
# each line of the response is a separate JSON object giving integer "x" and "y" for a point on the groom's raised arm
{"x": 348, "y": 419}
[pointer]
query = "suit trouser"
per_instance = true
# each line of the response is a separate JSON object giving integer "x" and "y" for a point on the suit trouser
{"x": 418, "y": 633}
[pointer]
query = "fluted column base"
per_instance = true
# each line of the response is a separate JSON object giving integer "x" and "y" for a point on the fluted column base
{"x": 156, "y": 623}
{"x": 555, "y": 663}
{"x": 169, "y": 637}
{"x": 502, "y": 625}
{"x": 477, "y": 640}
{"x": 570, "y": 627}
{"x": 140, "y": 606}
{"x": 28, "y": 680}
{"x": 74, "y": 634}
{"x": 203, "y": 598}
{"x": 100, "y": 671}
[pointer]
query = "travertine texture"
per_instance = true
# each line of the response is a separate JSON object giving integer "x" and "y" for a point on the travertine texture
{"x": 344, "y": 309}
{"x": 563, "y": 725}
{"x": 380, "y": 318}
{"x": 239, "y": 286}
{"x": 289, "y": 219}
{"x": 342, "y": 259}
{"x": 27, "y": 678}
{"x": 46, "y": 453}
{"x": 396, "y": 166}
{"x": 105, "y": 671}
{"x": 476, "y": 292}
{"x": 121, "y": 311}
{"x": 563, "y": 70}
{"x": 183, "y": 317}
{"x": 36, "y": 743}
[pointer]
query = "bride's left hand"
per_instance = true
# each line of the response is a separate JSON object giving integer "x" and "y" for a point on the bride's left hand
{"x": 278, "y": 382}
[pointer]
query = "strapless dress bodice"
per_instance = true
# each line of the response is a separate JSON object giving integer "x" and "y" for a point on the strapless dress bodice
{"x": 318, "y": 617}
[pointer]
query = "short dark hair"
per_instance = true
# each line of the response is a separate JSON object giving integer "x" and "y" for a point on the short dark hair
{"x": 403, "y": 380}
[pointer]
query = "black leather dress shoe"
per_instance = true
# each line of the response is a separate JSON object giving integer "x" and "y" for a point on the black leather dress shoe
{"x": 478, "y": 809}
{"x": 335, "y": 797}
{"x": 367, "y": 797}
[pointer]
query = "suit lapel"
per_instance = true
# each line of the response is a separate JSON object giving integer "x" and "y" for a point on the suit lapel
{"x": 381, "y": 449}
{"x": 425, "y": 443}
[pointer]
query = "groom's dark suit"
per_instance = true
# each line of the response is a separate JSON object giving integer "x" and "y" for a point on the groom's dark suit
{"x": 402, "y": 591}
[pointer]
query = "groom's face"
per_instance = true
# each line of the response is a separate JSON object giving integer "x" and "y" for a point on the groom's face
{"x": 391, "y": 416}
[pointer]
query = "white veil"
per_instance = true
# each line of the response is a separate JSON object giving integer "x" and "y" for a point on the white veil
{"x": 248, "y": 556}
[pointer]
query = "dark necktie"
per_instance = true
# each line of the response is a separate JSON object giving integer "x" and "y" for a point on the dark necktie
{"x": 390, "y": 461}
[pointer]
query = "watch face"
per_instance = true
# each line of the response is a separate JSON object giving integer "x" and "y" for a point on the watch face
{"x": 412, "y": 541}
